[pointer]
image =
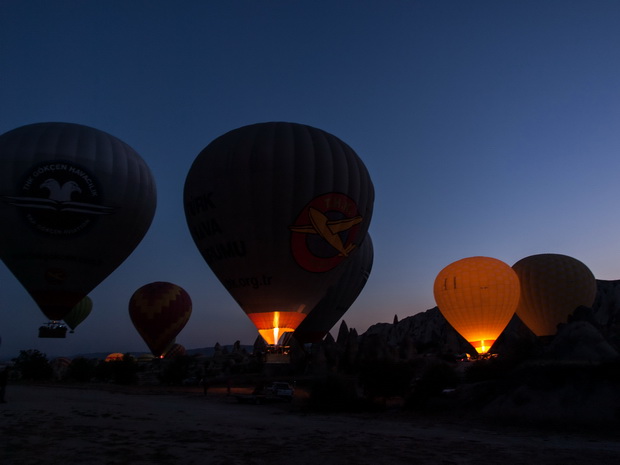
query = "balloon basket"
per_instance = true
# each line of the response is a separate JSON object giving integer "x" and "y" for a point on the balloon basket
{"x": 278, "y": 354}
{"x": 53, "y": 330}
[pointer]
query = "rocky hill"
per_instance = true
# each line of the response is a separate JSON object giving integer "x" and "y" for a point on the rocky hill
{"x": 591, "y": 334}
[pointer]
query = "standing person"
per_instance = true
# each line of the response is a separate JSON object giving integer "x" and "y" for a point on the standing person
{"x": 205, "y": 384}
{"x": 4, "y": 378}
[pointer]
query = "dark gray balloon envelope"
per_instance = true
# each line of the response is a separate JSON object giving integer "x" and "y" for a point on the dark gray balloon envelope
{"x": 276, "y": 210}
{"x": 74, "y": 203}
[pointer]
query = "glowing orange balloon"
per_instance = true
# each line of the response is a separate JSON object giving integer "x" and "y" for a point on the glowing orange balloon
{"x": 478, "y": 296}
{"x": 552, "y": 287}
{"x": 114, "y": 357}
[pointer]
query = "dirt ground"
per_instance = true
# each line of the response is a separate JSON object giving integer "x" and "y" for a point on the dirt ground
{"x": 43, "y": 425}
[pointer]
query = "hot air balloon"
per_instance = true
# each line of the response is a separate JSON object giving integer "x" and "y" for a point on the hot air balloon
{"x": 145, "y": 358}
{"x": 114, "y": 357}
{"x": 74, "y": 203}
{"x": 159, "y": 311}
{"x": 552, "y": 287}
{"x": 175, "y": 350}
{"x": 339, "y": 297}
{"x": 478, "y": 296}
{"x": 276, "y": 210}
{"x": 79, "y": 313}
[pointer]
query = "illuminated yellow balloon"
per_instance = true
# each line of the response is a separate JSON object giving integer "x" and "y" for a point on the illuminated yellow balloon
{"x": 552, "y": 287}
{"x": 478, "y": 296}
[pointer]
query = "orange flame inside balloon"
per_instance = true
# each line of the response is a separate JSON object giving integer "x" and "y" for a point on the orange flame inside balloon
{"x": 482, "y": 346}
{"x": 272, "y": 325}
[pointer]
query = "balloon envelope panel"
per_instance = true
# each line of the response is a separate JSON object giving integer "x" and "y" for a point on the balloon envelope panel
{"x": 276, "y": 209}
{"x": 175, "y": 350}
{"x": 339, "y": 297}
{"x": 79, "y": 313}
{"x": 74, "y": 203}
{"x": 552, "y": 287}
{"x": 478, "y": 296}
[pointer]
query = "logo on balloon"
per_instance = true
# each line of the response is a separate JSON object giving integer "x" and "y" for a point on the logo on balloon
{"x": 325, "y": 232}
{"x": 59, "y": 198}
{"x": 55, "y": 275}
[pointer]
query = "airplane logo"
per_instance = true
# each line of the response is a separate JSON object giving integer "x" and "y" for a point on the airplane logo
{"x": 55, "y": 275}
{"x": 326, "y": 231}
{"x": 329, "y": 229}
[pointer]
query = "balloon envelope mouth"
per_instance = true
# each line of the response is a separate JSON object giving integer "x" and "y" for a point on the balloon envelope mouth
{"x": 56, "y": 304}
{"x": 482, "y": 346}
{"x": 272, "y": 325}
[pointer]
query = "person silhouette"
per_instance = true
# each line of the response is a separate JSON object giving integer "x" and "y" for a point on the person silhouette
{"x": 4, "y": 378}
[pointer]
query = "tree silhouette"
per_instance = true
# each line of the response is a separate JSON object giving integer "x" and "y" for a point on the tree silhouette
{"x": 33, "y": 365}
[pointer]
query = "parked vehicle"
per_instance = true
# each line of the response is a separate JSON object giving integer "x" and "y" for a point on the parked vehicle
{"x": 281, "y": 389}
{"x": 275, "y": 392}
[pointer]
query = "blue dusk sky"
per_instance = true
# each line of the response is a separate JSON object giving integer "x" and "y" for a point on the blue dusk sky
{"x": 488, "y": 127}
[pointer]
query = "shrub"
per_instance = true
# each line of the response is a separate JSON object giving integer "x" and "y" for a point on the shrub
{"x": 33, "y": 365}
{"x": 82, "y": 370}
{"x": 432, "y": 381}
{"x": 333, "y": 393}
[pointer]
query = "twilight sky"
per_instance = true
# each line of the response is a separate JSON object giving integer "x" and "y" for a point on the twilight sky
{"x": 489, "y": 128}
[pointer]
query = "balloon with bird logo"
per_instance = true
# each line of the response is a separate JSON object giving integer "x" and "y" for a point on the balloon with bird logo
{"x": 339, "y": 297}
{"x": 159, "y": 311}
{"x": 552, "y": 287}
{"x": 276, "y": 210}
{"x": 74, "y": 203}
{"x": 78, "y": 313}
{"x": 478, "y": 297}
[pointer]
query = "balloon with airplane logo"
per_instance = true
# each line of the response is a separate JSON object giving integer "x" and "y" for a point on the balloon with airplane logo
{"x": 74, "y": 203}
{"x": 276, "y": 210}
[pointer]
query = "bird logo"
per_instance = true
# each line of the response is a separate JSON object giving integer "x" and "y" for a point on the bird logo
{"x": 58, "y": 198}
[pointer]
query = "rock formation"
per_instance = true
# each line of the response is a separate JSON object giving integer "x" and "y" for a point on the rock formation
{"x": 591, "y": 334}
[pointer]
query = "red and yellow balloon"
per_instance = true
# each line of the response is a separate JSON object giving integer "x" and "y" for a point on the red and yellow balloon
{"x": 477, "y": 296}
{"x": 159, "y": 311}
